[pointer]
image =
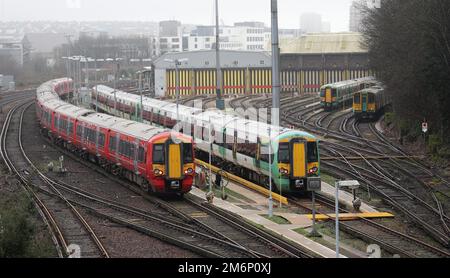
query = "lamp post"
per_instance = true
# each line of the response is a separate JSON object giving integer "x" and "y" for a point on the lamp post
{"x": 219, "y": 101}
{"x": 275, "y": 65}
{"x": 352, "y": 184}
{"x": 177, "y": 63}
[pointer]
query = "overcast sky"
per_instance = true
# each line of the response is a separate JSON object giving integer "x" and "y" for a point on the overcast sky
{"x": 187, "y": 11}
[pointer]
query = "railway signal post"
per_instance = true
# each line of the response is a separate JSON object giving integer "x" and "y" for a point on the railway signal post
{"x": 352, "y": 184}
{"x": 313, "y": 187}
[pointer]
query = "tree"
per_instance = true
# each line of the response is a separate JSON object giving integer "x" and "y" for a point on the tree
{"x": 409, "y": 48}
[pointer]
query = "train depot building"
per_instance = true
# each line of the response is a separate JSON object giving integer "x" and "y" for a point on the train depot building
{"x": 307, "y": 63}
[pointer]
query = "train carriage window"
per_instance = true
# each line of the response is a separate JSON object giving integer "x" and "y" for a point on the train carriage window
{"x": 313, "y": 155}
{"x": 126, "y": 149}
{"x": 70, "y": 128}
{"x": 101, "y": 139}
{"x": 142, "y": 155}
{"x": 79, "y": 131}
{"x": 112, "y": 143}
{"x": 265, "y": 154}
{"x": 283, "y": 153}
{"x": 187, "y": 153}
{"x": 131, "y": 148}
{"x": 158, "y": 154}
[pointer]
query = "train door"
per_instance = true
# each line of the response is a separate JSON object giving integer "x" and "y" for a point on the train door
{"x": 298, "y": 159}
{"x": 174, "y": 161}
{"x": 258, "y": 153}
{"x": 328, "y": 95}
{"x": 364, "y": 102}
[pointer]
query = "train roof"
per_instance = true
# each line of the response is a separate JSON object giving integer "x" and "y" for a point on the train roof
{"x": 374, "y": 90}
{"x": 73, "y": 111}
{"x": 349, "y": 82}
{"x": 130, "y": 128}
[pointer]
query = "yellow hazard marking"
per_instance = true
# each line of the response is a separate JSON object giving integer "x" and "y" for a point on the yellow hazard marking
{"x": 352, "y": 216}
{"x": 246, "y": 183}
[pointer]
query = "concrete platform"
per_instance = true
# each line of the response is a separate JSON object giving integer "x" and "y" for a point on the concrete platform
{"x": 344, "y": 197}
{"x": 286, "y": 231}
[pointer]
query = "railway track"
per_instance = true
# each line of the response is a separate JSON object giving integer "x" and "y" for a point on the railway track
{"x": 393, "y": 241}
{"x": 76, "y": 229}
{"x": 175, "y": 222}
{"x": 371, "y": 173}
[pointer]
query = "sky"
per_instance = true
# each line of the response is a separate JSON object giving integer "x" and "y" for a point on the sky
{"x": 186, "y": 11}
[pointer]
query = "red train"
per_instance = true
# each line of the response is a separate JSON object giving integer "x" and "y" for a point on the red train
{"x": 159, "y": 160}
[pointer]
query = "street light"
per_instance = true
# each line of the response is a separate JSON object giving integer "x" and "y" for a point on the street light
{"x": 353, "y": 185}
{"x": 177, "y": 79}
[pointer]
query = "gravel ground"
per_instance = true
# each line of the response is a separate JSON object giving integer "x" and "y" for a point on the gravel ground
{"x": 119, "y": 241}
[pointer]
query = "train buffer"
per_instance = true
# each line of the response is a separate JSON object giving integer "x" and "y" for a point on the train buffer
{"x": 352, "y": 216}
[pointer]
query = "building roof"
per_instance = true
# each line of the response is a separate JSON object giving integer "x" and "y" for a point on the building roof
{"x": 207, "y": 59}
{"x": 323, "y": 43}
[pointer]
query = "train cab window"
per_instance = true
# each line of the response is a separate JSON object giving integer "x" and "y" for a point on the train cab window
{"x": 141, "y": 155}
{"x": 322, "y": 93}
{"x": 158, "y": 154}
{"x": 371, "y": 98}
{"x": 283, "y": 153}
{"x": 357, "y": 98}
{"x": 333, "y": 93}
{"x": 187, "y": 153}
{"x": 313, "y": 155}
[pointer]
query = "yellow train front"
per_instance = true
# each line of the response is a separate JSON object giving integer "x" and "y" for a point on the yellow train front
{"x": 369, "y": 103}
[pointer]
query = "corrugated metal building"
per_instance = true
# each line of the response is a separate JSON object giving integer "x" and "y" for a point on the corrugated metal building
{"x": 307, "y": 63}
{"x": 243, "y": 72}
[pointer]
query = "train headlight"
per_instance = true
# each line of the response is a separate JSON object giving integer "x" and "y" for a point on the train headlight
{"x": 189, "y": 171}
{"x": 313, "y": 170}
{"x": 158, "y": 172}
{"x": 284, "y": 171}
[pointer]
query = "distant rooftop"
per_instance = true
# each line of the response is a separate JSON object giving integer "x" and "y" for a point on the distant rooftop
{"x": 323, "y": 43}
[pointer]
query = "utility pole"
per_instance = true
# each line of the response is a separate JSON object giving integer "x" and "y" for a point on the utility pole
{"x": 219, "y": 101}
{"x": 275, "y": 66}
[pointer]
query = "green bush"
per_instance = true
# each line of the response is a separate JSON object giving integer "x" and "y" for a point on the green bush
{"x": 389, "y": 118}
{"x": 434, "y": 144}
{"x": 18, "y": 229}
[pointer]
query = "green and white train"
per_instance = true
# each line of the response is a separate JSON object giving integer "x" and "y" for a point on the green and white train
{"x": 238, "y": 145}
{"x": 337, "y": 94}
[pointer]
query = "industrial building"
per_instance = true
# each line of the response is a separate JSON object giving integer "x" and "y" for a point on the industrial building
{"x": 307, "y": 63}
{"x": 243, "y": 72}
